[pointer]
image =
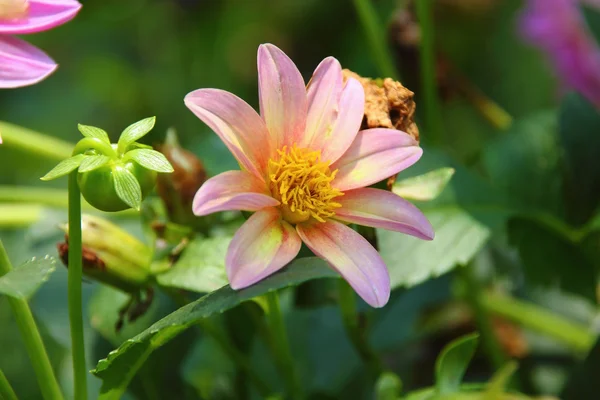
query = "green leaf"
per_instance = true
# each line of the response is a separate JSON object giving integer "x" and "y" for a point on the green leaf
{"x": 579, "y": 125}
{"x": 64, "y": 167}
{"x": 388, "y": 386}
{"x": 127, "y": 187}
{"x": 121, "y": 365}
{"x": 24, "y": 280}
{"x": 424, "y": 187}
{"x": 452, "y": 363}
{"x": 90, "y": 163}
{"x": 532, "y": 178}
{"x": 93, "y": 132}
{"x": 549, "y": 258}
{"x": 583, "y": 380}
{"x": 201, "y": 267}
{"x": 497, "y": 385}
{"x": 150, "y": 159}
{"x": 134, "y": 132}
{"x": 463, "y": 217}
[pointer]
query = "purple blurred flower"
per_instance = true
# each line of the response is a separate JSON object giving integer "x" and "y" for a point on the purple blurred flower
{"x": 22, "y": 64}
{"x": 559, "y": 28}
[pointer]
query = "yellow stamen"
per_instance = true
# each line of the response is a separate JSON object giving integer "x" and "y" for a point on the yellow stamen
{"x": 302, "y": 183}
{"x": 13, "y": 9}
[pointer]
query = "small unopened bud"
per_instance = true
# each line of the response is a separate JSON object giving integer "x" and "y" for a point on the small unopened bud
{"x": 177, "y": 190}
{"x": 111, "y": 255}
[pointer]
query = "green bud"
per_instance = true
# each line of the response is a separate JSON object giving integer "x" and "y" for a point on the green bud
{"x": 111, "y": 255}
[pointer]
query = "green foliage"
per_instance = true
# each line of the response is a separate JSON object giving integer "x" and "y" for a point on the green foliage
{"x": 128, "y": 188}
{"x": 93, "y": 132}
{"x": 424, "y": 187}
{"x": 463, "y": 216}
{"x": 452, "y": 363}
{"x": 201, "y": 267}
{"x": 134, "y": 132}
{"x": 388, "y": 386}
{"x": 151, "y": 159}
{"x": 120, "y": 366}
{"x": 22, "y": 282}
{"x": 64, "y": 167}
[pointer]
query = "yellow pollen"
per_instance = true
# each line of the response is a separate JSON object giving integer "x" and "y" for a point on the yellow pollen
{"x": 13, "y": 9}
{"x": 302, "y": 183}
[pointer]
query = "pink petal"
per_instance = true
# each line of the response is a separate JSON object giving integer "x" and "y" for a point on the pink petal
{"x": 282, "y": 93}
{"x": 232, "y": 190}
{"x": 345, "y": 129}
{"x": 42, "y": 15}
{"x": 237, "y": 124}
{"x": 382, "y": 209}
{"x": 352, "y": 256}
{"x": 262, "y": 246}
{"x": 22, "y": 64}
{"x": 323, "y": 93}
{"x": 375, "y": 154}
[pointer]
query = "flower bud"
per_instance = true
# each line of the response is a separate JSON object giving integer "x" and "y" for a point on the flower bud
{"x": 177, "y": 190}
{"x": 111, "y": 255}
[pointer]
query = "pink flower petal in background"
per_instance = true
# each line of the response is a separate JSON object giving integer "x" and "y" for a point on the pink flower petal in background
{"x": 375, "y": 155}
{"x": 282, "y": 95}
{"x": 232, "y": 190}
{"x": 22, "y": 64}
{"x": 382, "y": 209}
{"x": 42, "y": 15}
{"x": 237, "y": 124}
{"x": 352, "y": 256}
{"x": 262, "y": 246}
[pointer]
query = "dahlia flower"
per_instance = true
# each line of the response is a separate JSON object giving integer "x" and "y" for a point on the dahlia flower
{"x": 22, "y": 64}
{"x": 305, "y": 168}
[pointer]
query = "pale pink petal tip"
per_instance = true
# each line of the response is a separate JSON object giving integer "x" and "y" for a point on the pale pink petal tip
{"x": 22, "y": 64}
{"x": 262, "y": 246}
{"x": 232, "y": 190}
{"x": 352, "y": 256}
{"x": 382, "y": 209}
{"x": 42, "y": 15}
{"x": 282, "y": 97}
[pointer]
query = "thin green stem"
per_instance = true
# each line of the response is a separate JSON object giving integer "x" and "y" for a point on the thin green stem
{"x": 6, "y": 391}
{"x": 571, "y": 333}
{"x": 428, "y": 72}
{"x": 51, "y": 148}
{"x": 32, "y": 338}
{"x": 474, "y": 295}
{"x": 347, "y": 302}
{"x": 283, "y": 355}
{"x": 375, "y": 34}
{"x": 19, "y": 215}
{"x": 74, "y": 289}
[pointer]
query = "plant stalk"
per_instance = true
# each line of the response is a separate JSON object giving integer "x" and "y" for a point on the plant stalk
{"x": 74, "y": 289}
{"x": 375, "y": 35}
{"x": 347, "y": 302}
{"x": 48, "y": 147}
{"x": 283, "y": 355}
{"x": 6, "y": 391}
{"x": 433, "y": 125}
{"x": 32, "y": 338}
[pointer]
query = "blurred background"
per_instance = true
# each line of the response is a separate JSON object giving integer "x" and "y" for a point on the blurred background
{"x": 121, "y": 61}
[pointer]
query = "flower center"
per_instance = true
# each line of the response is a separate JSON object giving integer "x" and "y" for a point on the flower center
{"x": 302, "y": 183}
{"x": 13, "y": 9}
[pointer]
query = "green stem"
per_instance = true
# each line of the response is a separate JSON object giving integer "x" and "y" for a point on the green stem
{"x": 235, "y": 355}
{"x": 474, "y": 295}
{"x": 428, "y": 71}
{"x": 571, "y": 333}
{"x": 6, "y": 391}
{"x": 347, "y": 302}
{"x": 32, "y": 338}
{"x": 14, "y": 136}
{"x": 74, "y": 289}
{"x": 19, "y": 215}
{"x": 283, "y": 355}
{"x": 376, "y": 38}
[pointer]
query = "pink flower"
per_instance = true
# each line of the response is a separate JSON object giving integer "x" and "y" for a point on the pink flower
{"x": 305, "y": 166}
{"x": 22, "y": 64}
